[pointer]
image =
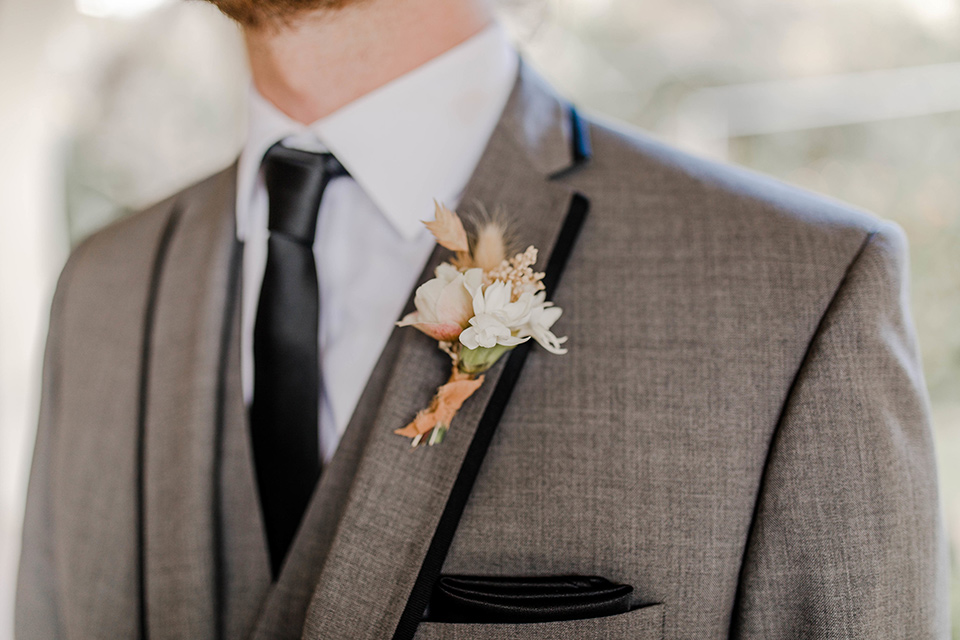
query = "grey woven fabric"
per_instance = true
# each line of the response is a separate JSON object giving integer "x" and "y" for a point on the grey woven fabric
{"x": 740, "y": 429}
{"x": 645, "y": 623}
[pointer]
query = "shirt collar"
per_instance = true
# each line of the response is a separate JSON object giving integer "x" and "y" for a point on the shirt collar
{"x": 416, "y": 139}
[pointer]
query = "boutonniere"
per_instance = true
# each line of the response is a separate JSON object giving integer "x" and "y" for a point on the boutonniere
{"x": 479, "y": 306}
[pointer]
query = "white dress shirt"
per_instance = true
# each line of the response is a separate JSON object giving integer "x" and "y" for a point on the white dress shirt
{"x": 413, "y": 140}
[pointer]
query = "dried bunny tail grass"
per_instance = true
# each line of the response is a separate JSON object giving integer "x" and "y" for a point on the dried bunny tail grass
{"x": 491, "y": 237}
{"x": 489, "y": 248}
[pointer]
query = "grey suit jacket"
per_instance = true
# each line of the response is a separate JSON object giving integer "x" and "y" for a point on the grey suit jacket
{"x": 740, "y": 430}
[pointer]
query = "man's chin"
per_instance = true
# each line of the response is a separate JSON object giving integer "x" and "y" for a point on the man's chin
{"x": 257, "y": 13}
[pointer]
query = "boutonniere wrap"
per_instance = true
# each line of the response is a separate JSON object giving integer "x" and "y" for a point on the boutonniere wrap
{"x": 479, "y": 306}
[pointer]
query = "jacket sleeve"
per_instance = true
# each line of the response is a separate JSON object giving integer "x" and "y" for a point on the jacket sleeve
{"x": 36, "y": 613}
{"x": 847, "y": 539}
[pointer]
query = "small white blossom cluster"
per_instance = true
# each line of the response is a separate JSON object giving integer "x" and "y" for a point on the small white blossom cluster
{"x": 483, "y": 312}
{"x": 519, "y": 273}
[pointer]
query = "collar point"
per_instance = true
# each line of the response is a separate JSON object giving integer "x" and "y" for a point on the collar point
{"x": 411, "y": 231}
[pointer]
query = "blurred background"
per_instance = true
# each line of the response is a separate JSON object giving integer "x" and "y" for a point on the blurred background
{"x": 108, "y": 105}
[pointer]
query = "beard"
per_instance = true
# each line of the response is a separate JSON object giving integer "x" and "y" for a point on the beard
{"x": 257, "y": 13}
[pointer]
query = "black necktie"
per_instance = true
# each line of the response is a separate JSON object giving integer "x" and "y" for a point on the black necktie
{"x": 286, "y": 383}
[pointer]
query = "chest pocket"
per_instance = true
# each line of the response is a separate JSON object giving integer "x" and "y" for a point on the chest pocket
{"x": 645, "y": 623}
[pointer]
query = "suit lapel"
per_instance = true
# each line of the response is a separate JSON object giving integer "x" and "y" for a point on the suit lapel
{"x": 398, "y": 495}
{"x": 180, "y": 447}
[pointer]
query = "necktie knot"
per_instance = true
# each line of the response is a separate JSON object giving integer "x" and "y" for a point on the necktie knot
{"x": 295, "y": 182}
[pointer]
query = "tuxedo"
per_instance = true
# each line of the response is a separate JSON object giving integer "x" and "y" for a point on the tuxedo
{"x": 739, "y": 431}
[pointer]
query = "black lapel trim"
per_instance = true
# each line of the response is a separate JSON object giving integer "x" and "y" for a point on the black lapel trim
{"x": 156, "y": 273}
{"x": 226, "y": 335}
{"x": 462, "y": 486}
{"x": 582, "y": 150}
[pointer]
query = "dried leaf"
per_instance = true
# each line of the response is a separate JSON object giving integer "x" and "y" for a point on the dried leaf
{"x": 424, "y": 422}
{"x": 448, "y": 229}
{"x": 450, "y": 397}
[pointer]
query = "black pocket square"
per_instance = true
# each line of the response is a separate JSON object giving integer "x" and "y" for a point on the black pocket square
{"x": 480, "y": 599}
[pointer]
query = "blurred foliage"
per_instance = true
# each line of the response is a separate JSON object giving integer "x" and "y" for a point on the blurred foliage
{"x": 155, "y": 103}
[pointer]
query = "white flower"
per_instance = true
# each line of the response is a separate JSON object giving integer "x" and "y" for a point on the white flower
{"x": 444, "y": 304}
{"x": 542, "y": 317}
{"x": 496, "y": 318}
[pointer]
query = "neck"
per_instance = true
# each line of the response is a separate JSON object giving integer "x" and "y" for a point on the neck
{"x": 326, "y": 59}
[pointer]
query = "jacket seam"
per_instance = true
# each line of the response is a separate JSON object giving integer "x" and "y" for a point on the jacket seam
{"x": 55, "y": 328}
{"x": 808, "y": 351}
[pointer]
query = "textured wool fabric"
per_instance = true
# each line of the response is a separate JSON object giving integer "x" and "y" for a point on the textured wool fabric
{"x": 739, "y": 431}
{"x": 640, "y": 624}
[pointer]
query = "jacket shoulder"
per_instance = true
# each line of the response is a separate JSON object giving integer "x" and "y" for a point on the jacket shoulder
{"x": 759, "y": 212}
{"x": 116, "y": 261}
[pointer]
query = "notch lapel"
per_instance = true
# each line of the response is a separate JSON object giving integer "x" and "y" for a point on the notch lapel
{"x": 398, "y": 494}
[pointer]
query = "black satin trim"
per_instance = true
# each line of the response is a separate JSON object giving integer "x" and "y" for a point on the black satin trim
{"x": 524, "y": 600}
{"x": 146, "y": 353}
{"x": 443, "y": 535}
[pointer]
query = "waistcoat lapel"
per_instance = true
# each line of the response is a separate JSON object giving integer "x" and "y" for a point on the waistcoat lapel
{"x": 245, "y": 563}
{"x": 180, "y": 440}
{"x": 388, "y": 513}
